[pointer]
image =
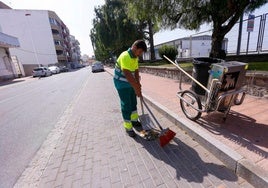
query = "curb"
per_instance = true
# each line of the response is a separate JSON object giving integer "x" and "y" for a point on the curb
{"x": 233, "y": 160}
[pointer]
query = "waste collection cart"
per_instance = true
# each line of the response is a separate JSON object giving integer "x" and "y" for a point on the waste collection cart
{"x": 218, "y": 86}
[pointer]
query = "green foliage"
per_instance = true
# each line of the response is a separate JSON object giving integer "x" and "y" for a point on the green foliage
{"x": 118, "y": 23}
{"x": 261, "y": 66}
{"x": 163, "y": 63}
{"x": 169, "y": 51}
{"x": 191, "y": 14}
{"x": 143, "y": 13}
{"x": 113, "y": 32}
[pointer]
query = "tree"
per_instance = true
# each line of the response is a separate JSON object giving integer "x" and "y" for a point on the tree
{"x": 191, "y": 14}
{"x": 113, "y": 32}
{"x": 99, "y": 35}
{"x": 143, "y": 12}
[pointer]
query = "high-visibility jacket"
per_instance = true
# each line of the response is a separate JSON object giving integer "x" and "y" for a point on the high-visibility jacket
{"x": 126, "y": 61}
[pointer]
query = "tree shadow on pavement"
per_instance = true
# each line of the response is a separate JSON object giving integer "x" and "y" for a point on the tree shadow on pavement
{"x": 240, "y": 129}
{"x": 187, "y": 162}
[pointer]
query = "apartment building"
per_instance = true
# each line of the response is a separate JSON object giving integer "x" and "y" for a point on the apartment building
{"x": 61, "y": 36}
{"x": 44, "y": 38}
{"x": 75, "y": 49}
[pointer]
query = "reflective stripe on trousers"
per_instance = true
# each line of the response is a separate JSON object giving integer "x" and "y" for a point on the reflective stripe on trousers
{"x": 128, "y": 102}
{"x": 134, "y": 116}
{"x": 127, "y": 125}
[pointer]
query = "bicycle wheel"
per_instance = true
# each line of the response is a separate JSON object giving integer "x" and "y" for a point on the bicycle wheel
{"x": 189, "y": 104}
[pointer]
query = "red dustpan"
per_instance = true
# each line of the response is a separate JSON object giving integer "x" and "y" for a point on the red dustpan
{"x": 166, "y": 135}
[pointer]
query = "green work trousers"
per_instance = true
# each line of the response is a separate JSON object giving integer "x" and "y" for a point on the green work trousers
{"x": 128, "y": 102}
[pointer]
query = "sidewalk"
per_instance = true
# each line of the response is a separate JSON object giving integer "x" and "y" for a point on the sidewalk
{"x": 245, "y": 130}
{"x": 89, "y": 148}
{"x": 246, "y": 127}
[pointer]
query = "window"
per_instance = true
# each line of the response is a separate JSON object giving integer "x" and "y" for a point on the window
{"x": 59, "y": 52}
{"x": 57, "y": 23}
{"x": 53, "y": 21}
{"x": 57, "y": 42}
{"x": 38, "y": 69}
{"x": 56, "y": 32}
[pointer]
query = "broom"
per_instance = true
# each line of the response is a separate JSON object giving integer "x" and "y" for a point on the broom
{"x": 166, "y": 135}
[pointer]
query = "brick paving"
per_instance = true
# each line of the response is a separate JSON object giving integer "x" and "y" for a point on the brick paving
{"x": 92, "y": 150}
{"x": 246, "y": 127}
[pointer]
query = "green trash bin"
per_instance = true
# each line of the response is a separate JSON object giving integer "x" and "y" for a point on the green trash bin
{"x": 201, "y": 68}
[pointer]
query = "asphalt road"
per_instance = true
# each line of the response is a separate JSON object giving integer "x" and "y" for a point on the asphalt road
{"x": 28, "y": 112}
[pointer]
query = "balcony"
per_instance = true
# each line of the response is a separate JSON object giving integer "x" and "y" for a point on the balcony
{"x": 59, "y": 48}
{"x": 8, "y": 41}
{"x": 55, "y": 27}
{"x": 61, "y": 57}
{"x": 57, "y": 37}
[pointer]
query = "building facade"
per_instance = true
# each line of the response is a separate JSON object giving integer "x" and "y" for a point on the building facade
{"x": 44, "y": 38}
{"x": 8, "y": 69}
{"x": 75, "y": 48}
{"x": 189, "y": 47}
{"x": 61, "y": 36}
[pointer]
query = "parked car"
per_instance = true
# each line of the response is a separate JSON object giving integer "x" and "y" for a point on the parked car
{"x": 64, "y": 69}
{"x": 41, "y": 71}
{"x": 76, "y": 65}
{"x": 54, "y": 69}
{"x": 97, "y": 67}
{"x": 79, "y": 65}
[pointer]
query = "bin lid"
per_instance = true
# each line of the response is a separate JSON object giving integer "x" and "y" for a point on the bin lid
{"x": 207, "y": 61}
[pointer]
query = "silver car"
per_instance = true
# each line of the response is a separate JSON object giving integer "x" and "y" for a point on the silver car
{"x": 97, "y": 67}
{"x": 54, "y": 69}
{"x": 41, "y": 71}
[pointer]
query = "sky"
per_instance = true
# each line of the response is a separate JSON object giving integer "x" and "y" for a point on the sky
{"x": 78, "y": 16}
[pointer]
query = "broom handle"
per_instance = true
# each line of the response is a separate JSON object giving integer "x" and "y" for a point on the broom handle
{"x": 151, "y": 113}
{"x": 192, "y": 78}
{"x": 142, "y": 109}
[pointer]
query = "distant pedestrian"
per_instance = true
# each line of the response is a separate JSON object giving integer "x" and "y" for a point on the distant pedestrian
{"x": 127, "y": 83}
{"x": 40, "y": 75}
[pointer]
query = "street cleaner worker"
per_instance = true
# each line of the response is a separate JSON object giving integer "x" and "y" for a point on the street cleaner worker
{"x": 127, "y": 84}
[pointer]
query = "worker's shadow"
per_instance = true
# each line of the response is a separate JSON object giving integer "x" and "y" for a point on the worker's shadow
{"x": 187, "y": 162}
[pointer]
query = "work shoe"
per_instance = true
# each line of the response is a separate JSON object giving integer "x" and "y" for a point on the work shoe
{"x": 131, "y": 133}
{"x": 136, "y": 123}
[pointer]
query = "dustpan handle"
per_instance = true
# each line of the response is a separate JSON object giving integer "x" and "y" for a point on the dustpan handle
{"x": 151, "y": 113}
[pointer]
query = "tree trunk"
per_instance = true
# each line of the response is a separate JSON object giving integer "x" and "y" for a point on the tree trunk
{"x": 151, "y": 39}
{"x": 216, "y": 44}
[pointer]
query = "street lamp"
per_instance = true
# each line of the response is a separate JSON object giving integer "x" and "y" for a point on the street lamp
{"x": 35, "y": 53}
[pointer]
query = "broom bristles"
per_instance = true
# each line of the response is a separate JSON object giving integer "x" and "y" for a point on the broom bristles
{"x": 166, "y": 137}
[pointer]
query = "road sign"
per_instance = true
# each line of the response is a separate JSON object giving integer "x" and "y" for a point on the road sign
{"x": 251, "y": 19}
